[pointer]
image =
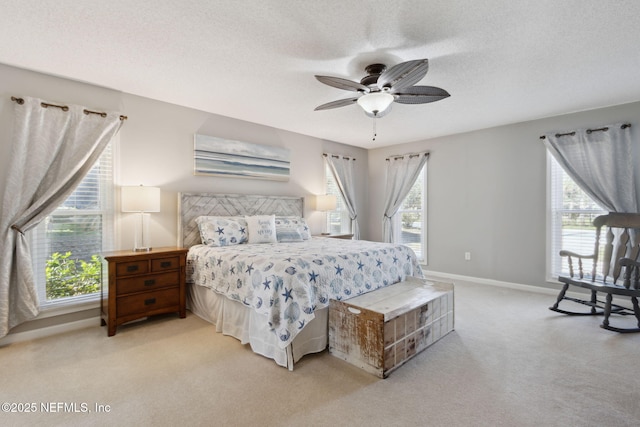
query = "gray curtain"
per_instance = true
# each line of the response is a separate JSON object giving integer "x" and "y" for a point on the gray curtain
{"x": 53, "y": 150}
{"x": 402, "y": 172}
{"x": 342, "y": 170}
{"x": 601, "y": 162}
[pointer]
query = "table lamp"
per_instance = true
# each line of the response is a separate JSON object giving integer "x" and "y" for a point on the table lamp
{"x": 325, "y": 203}
{"x": 142, "y": 200}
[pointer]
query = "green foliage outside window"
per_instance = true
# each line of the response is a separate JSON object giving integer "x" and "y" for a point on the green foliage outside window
{"x": 67, "y": 277}
{"x": 574, "y": 199}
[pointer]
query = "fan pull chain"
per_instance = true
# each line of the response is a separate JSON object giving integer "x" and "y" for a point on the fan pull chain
{"x": 374, "y": 128}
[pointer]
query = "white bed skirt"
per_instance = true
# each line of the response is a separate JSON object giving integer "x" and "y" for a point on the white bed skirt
{"x": 234, "y": 319}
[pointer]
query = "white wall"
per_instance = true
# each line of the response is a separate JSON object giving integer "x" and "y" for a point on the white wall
{"x": 487, "y": 195}
{"x": 156, "y": 148}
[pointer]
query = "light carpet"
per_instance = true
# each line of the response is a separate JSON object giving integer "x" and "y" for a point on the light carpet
{"x": 509, "y": 362}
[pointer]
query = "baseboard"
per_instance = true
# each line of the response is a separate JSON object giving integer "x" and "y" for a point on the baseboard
{"x": 501, "y": 284}
{"x": 48, "y": 331}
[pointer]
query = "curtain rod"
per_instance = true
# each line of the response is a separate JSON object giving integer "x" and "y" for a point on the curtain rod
{"x": 410, "y": 156}
{"x": 20, "y": 101}
{"x": 337, "y": 157}
{"x": 589, "y": 131}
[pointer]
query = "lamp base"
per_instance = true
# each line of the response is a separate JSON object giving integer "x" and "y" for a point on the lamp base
{"x": 141, "y": 242}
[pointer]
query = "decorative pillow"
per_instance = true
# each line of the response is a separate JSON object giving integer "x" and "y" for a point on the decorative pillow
{"x": 262, "y": 228}
{"x": 306, "y": 233}
{"x": 294, "y": 222}
{"x": 221, "y": 231}
{"x": 288, "y": 234}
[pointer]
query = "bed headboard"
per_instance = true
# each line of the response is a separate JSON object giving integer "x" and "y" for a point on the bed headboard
{"x": 193, "y": 205}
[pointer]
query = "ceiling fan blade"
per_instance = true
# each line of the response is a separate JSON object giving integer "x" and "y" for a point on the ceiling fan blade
{"x": 336, "y": 104}
{"x": 420, "y": 95}
{"x": 404, "y": 74}
{"x": 342, "y": 83}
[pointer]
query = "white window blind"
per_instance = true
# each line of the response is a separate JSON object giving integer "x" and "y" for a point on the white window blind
{"x": 67, "y": 244}
{"x": 410, "y": 220}
{"x": 571, "y": 215}
{"x": 338, "y": 221}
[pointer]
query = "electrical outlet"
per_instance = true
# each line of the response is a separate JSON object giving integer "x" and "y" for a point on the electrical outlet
{"x": 467, "y": 256}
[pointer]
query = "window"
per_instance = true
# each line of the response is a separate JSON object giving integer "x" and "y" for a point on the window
{"x": 570, "y": 222}
{"x": 410, "y": 220}
{"x": 338, "y": 221}
{"x": 68, "y": 243}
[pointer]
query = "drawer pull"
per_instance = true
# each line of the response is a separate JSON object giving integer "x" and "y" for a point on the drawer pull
{"x": 150, "y": 282}
{"x": 165, "y": 264}
{"x": 354, "y": 310}
{"x": 149, "y": 301}
{"x": 131, "y": 268}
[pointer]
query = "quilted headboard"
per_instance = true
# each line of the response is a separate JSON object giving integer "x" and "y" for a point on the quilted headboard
{"x": 193, "y": 205}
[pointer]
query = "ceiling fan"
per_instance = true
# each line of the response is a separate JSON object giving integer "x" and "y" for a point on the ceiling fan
{"x": 381, "y": 87}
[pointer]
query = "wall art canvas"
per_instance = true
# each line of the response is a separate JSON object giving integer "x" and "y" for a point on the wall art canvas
{"x": 224, "y": 157}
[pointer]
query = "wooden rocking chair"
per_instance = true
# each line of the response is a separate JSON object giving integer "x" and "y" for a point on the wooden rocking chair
{"x": 618, "y": 258}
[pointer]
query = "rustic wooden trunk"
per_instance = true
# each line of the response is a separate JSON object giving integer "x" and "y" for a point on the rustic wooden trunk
{"x": 381, "y": 330}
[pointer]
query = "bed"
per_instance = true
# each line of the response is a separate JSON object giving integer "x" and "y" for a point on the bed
{"x": 275, "y": 296}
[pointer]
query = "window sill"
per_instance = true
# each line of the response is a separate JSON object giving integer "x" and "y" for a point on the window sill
{"x": 552, "y": 280}
{"x": 69, "y": 305}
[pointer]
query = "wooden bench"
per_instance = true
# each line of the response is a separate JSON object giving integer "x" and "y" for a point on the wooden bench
{"x": 381, "y": 330}
{"x": 615, "y": 270}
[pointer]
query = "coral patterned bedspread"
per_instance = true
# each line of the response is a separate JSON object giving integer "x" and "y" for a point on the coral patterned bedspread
{"x": 287, "y": 282}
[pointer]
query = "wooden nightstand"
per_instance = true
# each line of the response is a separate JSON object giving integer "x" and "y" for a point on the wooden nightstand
{"x": 346, "y": 236}
{"x": 142, "y": 284}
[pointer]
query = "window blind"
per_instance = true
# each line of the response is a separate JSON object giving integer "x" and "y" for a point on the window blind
{"x": 67, "y": 245}
{"x": 410, "y": 220}
{"x": 572, "y": 213}
{"x": 338, "y": 221}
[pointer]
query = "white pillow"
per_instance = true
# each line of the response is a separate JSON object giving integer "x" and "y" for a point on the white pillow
{"x": 286, "y": 222}
{"x": 304, "y": 229}
{"x": 262, "y": 228}
{"x": 285, "y": 234}
{"x": 221, "y": 231}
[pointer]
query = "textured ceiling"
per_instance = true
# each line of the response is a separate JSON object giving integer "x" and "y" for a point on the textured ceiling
{"x": 255, "y": 60}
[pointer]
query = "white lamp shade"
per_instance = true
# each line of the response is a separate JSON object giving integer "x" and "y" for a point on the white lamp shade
{"x": 140, "y": 199}
{"x": 375, "y": 102}
{"x": 327, "y": 202}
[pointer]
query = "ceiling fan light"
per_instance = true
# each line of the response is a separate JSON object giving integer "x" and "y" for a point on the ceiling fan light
{"x": 375, "y": 102}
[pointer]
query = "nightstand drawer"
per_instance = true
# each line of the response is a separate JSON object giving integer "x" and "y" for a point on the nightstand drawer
{"x": 148, "y": 302}
{"x": 148, "y": 282}
{"x": 133, "y": 267}
{"x": 163, "y": 264}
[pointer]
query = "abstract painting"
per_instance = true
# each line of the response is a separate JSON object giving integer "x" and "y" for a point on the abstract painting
{"x": 224, "y": 157}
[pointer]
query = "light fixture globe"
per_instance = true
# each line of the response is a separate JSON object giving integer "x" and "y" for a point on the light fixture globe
{"x": 375, "y": 103}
